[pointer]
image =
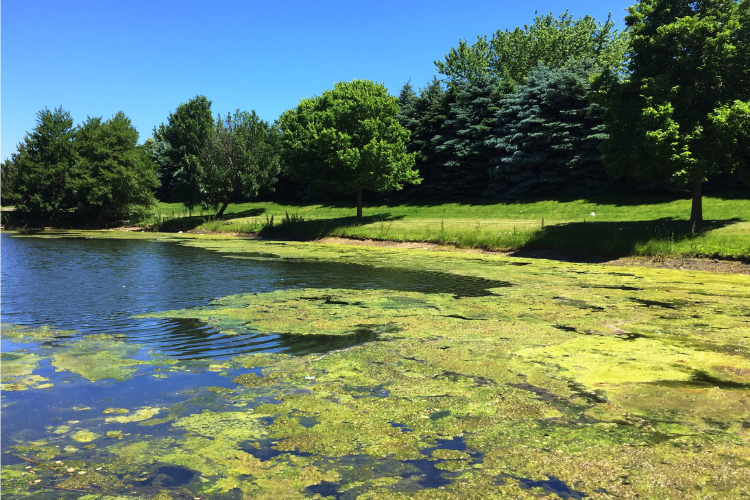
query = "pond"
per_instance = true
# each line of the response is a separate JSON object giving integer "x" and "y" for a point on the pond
{"x": 97, "y": 286}
{"x": 142, "y": 366}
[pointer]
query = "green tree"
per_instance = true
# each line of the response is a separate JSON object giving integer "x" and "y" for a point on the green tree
{"x": 348, "y": 139}
{"x": 511, "y": 55}
{"x": 8, "y": 173}
{"x": 242, "y": 158}
{"x": 43, "y": 165}
{"x": 461, "y": 141}
{"x": 681, "y": 112}
{"x": 188, "y": 132}
{"x": 112, "y": 177}
{"x": 424, "y": 115}
{"x": 547, "y": 135}
{"x": 95, "y": 171}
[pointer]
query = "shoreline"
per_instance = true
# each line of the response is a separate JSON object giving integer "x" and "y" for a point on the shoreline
{"x": 719, "y": 266}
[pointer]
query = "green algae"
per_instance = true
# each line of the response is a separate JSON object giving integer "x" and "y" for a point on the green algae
{"x": 18, "y": 333}
{"x": 109, "y": 411}
{"x": 138, "y": 415}
{"x": 90, "y": 359}
{"x": 644, "y": 393}
{"x": 84, "y": 436}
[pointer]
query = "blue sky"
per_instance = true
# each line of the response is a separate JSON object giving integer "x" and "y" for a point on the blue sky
{"x": 95, "y": 58}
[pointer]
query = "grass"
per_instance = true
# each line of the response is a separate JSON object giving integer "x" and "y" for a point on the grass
{"x": 654, "y": 226}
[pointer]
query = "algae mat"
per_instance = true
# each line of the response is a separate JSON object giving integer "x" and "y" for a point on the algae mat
{"x": 561, "y": 381}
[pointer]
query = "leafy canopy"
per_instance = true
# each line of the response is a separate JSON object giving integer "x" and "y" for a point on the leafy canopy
{"x": 348, "y": 139}
{"x": 682, "y": 112}
{"x": 241, "y": 158}
{"x": 511, "y": 55}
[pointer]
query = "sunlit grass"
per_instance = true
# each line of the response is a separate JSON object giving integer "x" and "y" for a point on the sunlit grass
{"x": 613, "y": 226}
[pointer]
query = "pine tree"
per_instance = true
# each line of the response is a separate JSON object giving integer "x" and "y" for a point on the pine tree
{"x": 432, "y": 110}
{"x": 547, "y": 136}
{"x": 462, "y": 139}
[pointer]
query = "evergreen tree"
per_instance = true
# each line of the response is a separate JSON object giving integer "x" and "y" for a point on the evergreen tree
{"x": 547, "y": 136}
{"x": 431, "y": 110}
{"x": 43, "y": 166}
{"x": 461, "y": 141}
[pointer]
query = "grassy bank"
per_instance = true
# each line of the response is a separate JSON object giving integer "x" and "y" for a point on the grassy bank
{"x": 609, "y": 226}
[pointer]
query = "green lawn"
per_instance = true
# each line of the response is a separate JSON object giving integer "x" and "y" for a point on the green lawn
{"x": 620, "y": 225}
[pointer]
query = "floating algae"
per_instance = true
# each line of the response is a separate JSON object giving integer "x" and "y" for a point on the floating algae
{"x": 482, "y": 396}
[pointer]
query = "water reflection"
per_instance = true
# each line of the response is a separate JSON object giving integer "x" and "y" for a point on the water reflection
{"x": 97, "y": 285}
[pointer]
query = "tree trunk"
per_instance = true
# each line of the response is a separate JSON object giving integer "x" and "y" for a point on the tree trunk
{"x": 220, "y": 213}
{"x": 696, "y": 213}
{"x": 359, "y": 204}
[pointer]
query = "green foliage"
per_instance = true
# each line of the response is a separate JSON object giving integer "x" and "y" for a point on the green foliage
{"x": 241, "y": 158}
{"x": 112, "y": 176}
{"x": 8, "y": 173}
{"x": 511, "y": 55}
{"x": 95, "y": 171}
{"x": 547, "y": 136}
{"x": 461, "y": 170}
{"x": 348, "y": 139}
{"x": 688, "y": 68}
{"x": 43, "y": 166}
{"x": 188, "y": 133}
{"x": 424, "y": 116}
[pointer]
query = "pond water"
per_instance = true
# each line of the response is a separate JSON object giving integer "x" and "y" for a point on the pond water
{"x": 98, "y": 285}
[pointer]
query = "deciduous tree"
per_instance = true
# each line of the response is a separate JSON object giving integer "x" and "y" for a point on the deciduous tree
{"x": 511, "y": 55}
{"x": 113, "y": 178}
{"x": 681, "y": 112}
{"x": 348, "y": 139}
{"x": 241, "y": 158}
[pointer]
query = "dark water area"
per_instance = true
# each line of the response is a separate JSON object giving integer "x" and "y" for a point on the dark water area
{"x": 97, "y": 285}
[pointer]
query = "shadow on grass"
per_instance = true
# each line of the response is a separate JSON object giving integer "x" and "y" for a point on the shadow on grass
{"x": 187, "y": 223}
{"x": 618, "y": 239}
{"x": 307, "y": 230}
{"x": 614, "y": 199}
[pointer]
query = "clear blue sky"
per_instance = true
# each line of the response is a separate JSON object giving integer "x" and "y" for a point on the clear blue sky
{"x": 95, "y": 58}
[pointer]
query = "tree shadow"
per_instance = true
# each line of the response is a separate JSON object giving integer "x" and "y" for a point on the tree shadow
{"x": 604, "y": 240}
{"x": 299, "y": 229}
{"x": 186, "y": 223}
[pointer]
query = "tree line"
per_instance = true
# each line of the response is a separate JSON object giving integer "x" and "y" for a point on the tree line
{"x": 562, "y": 106}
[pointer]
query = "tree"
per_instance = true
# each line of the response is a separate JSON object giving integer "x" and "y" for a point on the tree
{"x": 93, "y": 171}
{"x": 547, "y": 136}
{"x": 511, "y": 55}
{"x": 461, "y": 141}
{"x": 679, "y": 113}
{"x": 348, "y": 139}
{"x": 112, "y": 177}
{"x": 188, "y": 133}
{"x": 424, "y": 115}
{"x": 43, "y": 165}
{"x": 242, "y": 158}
